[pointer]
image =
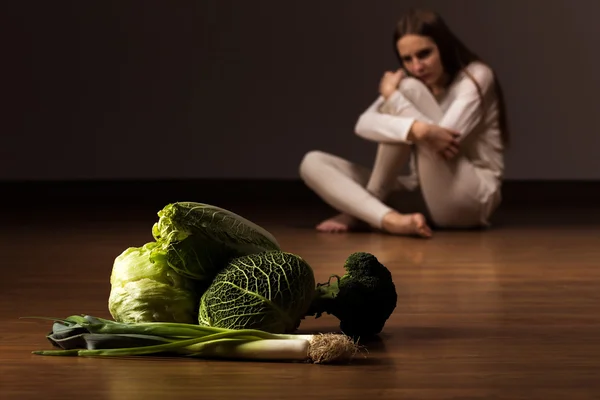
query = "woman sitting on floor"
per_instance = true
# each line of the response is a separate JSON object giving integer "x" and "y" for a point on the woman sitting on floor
{"x": 443, "y": 113}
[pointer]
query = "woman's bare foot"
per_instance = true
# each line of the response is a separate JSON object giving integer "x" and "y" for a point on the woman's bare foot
{"x": 406, "y": 224}
{"x": 339, "y": 224}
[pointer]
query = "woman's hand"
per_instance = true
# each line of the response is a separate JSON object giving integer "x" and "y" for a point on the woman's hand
{"x": 441, "y": 140}
{"x": 389, "y": 82}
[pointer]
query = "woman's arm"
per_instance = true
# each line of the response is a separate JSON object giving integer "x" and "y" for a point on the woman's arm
{"x": 459, "y": 120}
{"x": 381, "y": 121}
{"x": 382, "y": 127}
{"x": 466, "y": 110}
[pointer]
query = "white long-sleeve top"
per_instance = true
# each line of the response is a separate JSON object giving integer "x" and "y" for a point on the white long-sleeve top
{"x": 461, "y": 109}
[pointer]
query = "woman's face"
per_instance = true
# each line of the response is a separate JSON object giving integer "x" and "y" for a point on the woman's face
{"x": 421, "y": 59}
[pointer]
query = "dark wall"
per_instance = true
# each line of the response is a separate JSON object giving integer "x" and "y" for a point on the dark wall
{"x": 242, "y": 89}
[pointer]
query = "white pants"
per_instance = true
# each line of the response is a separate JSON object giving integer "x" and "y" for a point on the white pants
{"x": 455, "y": 195}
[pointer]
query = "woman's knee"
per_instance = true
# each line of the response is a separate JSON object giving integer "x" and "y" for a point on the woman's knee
{"x": 312, "y": 163}
{"x": 421, "y": 98}
{"x": 410, "y": 85}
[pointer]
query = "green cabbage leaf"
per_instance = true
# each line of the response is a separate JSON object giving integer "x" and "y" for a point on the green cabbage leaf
{"x": 271, "y": 291}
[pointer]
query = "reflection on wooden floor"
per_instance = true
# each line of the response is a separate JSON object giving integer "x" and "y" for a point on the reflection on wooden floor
{"x": 512, "y": 312}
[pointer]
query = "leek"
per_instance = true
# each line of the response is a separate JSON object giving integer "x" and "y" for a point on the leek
{"x": 89, "y": 336}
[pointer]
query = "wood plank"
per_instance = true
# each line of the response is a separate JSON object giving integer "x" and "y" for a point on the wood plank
{"x": 511, "y": 312}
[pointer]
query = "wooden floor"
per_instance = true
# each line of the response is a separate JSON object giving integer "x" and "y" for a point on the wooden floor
{"x": 508, "y": 313}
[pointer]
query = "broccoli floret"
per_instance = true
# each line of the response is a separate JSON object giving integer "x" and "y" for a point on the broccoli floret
{"x": 362, "y": 299}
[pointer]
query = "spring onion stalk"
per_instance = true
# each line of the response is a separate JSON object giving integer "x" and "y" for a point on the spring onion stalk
{"x": 89, "y": 336}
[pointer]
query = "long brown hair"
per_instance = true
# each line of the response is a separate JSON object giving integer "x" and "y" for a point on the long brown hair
{"x": 455, "y": 56}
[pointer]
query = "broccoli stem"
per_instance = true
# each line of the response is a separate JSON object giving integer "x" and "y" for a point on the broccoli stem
{"x": 324, "y": 297}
